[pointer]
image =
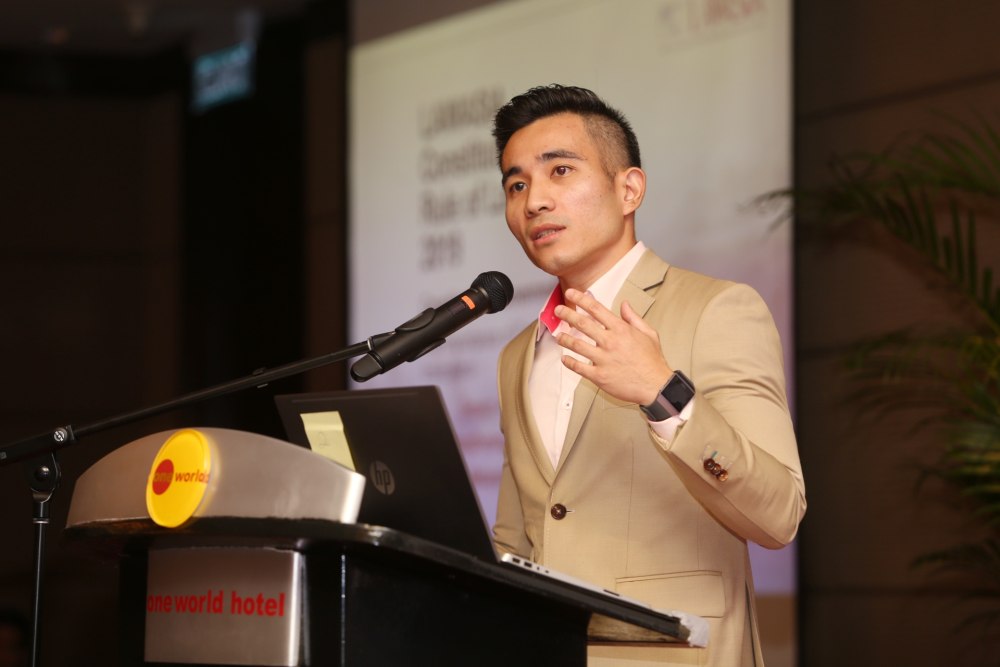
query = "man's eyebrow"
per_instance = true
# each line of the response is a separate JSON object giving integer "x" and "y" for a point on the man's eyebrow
{"x": 559, "y": 154}
{"x": 548, "y": 156}
{"x": 513, "y": 171}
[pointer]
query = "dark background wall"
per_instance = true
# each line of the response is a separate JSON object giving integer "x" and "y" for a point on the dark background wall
{"x": 866, "y": 74}
{"x": 146, "y": 252}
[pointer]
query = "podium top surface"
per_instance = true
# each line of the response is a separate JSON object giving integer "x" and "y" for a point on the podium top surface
{"x": 251, "y": 476}
{"x": 611, "y": 619}
{"x": 267, "y": 493}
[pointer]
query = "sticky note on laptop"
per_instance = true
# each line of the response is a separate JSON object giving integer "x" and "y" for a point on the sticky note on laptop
{"x": 325, "y": 432}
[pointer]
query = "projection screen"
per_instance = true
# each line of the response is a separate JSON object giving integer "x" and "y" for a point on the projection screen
{"x": 706, "y": 84}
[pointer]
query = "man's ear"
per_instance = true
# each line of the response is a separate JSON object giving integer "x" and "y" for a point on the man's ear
{"x": 633, "y": 180}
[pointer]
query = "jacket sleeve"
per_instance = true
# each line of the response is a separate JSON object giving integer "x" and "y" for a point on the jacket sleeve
{"x": 509, "y": 535}
{"x": 741, "y": 420}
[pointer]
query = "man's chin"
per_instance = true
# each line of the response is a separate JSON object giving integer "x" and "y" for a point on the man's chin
{"x": 549, "y": 265}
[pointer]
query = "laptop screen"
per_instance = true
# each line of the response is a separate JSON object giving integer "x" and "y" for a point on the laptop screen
{"x": 402, "y": 441}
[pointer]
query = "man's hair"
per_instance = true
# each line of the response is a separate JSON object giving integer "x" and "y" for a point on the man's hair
{"x": 605, "y": 124}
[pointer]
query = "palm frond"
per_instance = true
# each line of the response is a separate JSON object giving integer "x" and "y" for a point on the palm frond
{"x": 930, "y": 193}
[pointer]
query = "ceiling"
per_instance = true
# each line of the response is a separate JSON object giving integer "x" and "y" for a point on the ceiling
{"x": 132, "y": 27}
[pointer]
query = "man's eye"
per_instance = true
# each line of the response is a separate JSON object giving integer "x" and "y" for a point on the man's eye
{"x": 561, "y": 170}
{"x": 517, "y": 187}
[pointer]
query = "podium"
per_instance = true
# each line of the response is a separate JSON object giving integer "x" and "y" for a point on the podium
{"x": 272, "y": 570}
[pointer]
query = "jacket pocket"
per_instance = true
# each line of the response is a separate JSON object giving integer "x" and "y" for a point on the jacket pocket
{"x": 699, "y": 592}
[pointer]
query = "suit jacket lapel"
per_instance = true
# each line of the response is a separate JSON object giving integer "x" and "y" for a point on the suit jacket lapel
{"x": 583, "y": 399}
{"x": 650, "y": 272}
{"x": 526, "y": 415}
{"x": 638, "y": 290}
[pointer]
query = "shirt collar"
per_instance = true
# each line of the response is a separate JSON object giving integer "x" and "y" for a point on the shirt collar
{"x": 547, "y": 318}
{"x": 604, "y": 289}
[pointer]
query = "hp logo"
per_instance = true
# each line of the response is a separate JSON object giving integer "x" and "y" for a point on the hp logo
{"x": 381, "y": 478}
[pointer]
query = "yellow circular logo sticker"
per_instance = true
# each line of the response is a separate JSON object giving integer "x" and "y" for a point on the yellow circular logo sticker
{"x": 179, "y": 478}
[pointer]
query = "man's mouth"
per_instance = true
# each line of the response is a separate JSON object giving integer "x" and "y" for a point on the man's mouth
{"x": 540, "y": 234}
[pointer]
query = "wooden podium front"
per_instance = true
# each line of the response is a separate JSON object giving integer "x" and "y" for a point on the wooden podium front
{"x": 282, "y": 589}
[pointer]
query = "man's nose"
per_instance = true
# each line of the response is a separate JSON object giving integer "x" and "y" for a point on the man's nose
{"x": 539, "y": 200}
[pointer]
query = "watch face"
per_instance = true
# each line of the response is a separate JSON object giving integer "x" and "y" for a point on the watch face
{"x": 679, "y": 391}
{"x": 673, "y": 398}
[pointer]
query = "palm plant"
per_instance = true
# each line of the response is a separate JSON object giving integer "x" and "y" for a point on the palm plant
{"x": 928, "y": 193}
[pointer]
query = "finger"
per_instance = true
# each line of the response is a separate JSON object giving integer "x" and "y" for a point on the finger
{"x": 591, "y": 306}
{"x": 634, "y": 319}
{"x": 581, "y": 368}
{"x": 582, "y": 322}
{"x": 582, "y": 347}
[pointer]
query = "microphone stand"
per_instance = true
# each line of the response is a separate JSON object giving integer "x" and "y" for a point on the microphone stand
{"x": 41, "y": 466}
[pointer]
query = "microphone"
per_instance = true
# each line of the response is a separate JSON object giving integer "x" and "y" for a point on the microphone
{"x": 490, "y": 293}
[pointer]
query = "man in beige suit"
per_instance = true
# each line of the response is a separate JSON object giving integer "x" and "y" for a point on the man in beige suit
{"x": 647, "y": 432}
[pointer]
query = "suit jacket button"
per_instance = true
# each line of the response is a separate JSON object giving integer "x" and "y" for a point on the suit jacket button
{"x": 558, "y": 511}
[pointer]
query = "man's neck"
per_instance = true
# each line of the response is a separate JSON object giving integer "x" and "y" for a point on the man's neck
{"x": 584, "y": 280}
{"x": 584, "y": 284}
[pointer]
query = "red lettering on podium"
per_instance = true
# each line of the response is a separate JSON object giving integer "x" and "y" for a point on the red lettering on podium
{"x": 256, "y": 605}
{"x": 212, "y": 602}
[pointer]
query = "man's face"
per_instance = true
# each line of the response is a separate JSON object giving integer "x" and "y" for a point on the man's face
{"x": 572, "y": 219}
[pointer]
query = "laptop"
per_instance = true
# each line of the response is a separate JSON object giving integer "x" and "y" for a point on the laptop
{"x": 402, "y": 441}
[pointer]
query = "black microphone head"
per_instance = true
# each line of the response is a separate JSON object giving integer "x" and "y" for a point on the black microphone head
{"x": 498, "y": 288}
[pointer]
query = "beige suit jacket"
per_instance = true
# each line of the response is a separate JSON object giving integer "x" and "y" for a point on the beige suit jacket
{"x": 644, "y": 516}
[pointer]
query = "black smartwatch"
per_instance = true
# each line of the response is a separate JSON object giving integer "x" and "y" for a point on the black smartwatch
{"x": 675, "y": 395}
